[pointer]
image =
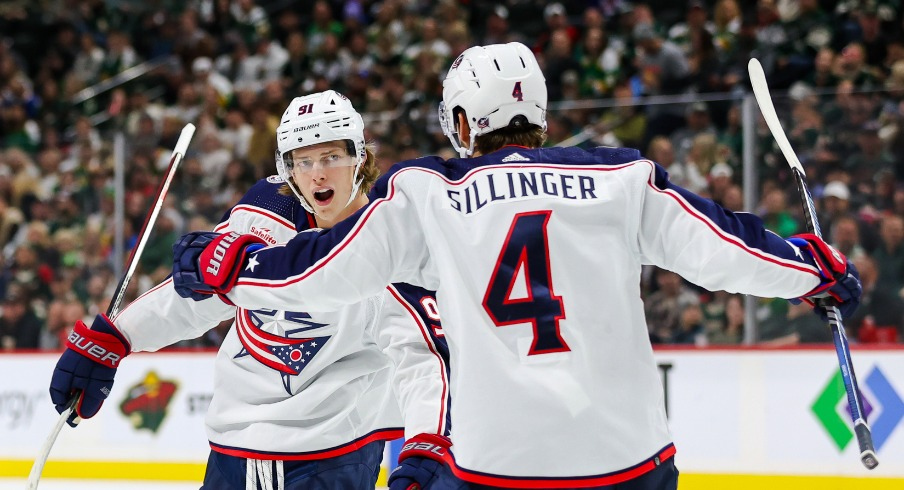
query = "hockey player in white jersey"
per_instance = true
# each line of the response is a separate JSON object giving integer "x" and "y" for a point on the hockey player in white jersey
{"x": 536, "y": 255}
{"x": 304, "y": 398}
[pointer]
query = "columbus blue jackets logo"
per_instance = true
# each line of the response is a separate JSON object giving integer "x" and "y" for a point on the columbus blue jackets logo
{"x": 287, "y": 350}
{"x": 146, "y": 402}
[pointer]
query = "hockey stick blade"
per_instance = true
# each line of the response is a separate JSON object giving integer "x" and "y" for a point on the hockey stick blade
{"x": 842, "y": 350}
{"x": 764, "y": 100}
{"x": 113, "y": 309}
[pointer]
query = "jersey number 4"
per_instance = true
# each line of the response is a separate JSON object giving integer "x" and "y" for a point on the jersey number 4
{"x": 508, "y": 301}
{"x": 517, "y": 93}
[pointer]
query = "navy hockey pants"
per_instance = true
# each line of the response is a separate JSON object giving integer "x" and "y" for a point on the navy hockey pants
{"x": 357, "y": 470}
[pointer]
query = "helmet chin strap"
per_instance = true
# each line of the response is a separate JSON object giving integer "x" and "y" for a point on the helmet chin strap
{"x": 465, "y": 151}
{"x": 356, "y": 183}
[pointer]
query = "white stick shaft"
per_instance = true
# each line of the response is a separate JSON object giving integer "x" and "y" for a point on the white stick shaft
{"x": 178, "y": 152}
{"x": 35, "y": 475}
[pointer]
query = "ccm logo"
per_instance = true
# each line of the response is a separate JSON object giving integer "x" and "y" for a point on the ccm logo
{"x": 94, "y": 350}
{"x": 219, "y": 253}
{"x": 424, "y": 446}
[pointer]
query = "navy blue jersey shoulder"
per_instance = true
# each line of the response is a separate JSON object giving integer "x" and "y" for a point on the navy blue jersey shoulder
{"x": 456, "y": 168}
{"x": 517, "y": 155}
{"x": 264, "y": 194}
{"x": 381, "y": 186}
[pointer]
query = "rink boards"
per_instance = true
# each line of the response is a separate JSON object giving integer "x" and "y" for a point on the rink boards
{"x": 741, "y": 418}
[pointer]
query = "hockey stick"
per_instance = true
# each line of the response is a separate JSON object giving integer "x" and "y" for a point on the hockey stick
{"x": 861, "y": 428}
{"x": 178, "y": 153}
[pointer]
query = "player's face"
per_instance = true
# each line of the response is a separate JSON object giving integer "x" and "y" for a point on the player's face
{"x": 323, "y": 174}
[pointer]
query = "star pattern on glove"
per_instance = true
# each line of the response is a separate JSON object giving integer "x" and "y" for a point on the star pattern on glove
{"x": 252, "y": 263}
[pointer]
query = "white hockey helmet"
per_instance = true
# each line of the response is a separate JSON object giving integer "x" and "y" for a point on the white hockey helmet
{"x": 319, "y": 118}
{"x": 493, "y": 84}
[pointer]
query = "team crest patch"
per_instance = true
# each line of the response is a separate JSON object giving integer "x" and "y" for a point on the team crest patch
{"x": 279, "y": 340}
{"x": 146, "y": 402}
{"x": 456, "y": 62}
{"x": 275, "y": 179}
{"x": 483, "y": 122}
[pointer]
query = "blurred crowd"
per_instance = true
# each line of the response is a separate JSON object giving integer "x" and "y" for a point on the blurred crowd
{"x": 76, "y": 73}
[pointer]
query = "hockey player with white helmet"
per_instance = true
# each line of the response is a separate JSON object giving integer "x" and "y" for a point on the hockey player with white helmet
{"x": 333, "y": 120}
{"x": 536, "y": 255}
{"x": 303, "y": 398}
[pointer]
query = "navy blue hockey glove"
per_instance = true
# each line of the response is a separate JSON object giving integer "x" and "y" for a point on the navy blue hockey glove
{"x": 421, "y": 458}
{"x": 840, "y": 279}
{"x": 207, "y": 263}
{"x": 88, "y": 365}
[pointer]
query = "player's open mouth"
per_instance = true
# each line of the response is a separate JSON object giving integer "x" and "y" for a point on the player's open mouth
{"x": 324, "y": 196}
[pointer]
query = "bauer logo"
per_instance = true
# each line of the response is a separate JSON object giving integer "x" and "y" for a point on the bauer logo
{"x": 146, "y": 402}
{"x": 882, "y": 407}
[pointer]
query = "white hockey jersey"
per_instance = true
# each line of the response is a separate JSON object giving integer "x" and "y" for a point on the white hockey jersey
{"x": 536, "y": 257}
{"x": 305, "y": 383}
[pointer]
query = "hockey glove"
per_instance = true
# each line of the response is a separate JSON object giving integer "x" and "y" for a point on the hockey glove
{"x": 421, "y": 458}
{"x": 839, "y": 278}
{"x": 88, "y": 365}
{"x": 206, "y": 263}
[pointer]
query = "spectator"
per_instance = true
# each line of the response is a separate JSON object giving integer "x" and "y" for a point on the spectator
{"x": 704, "y": 152}
{"x": 664, "y": 308}
{"x": 775, "y": 214}
{"x": 120, "y": 55}
{"x": 205, "y": 76}
{"x": 726, "y": 26}
{"x": 823, "y": 74}
{"x": 600, "y": 63}
{"x": 298, "y": 64}
{"x": 624, "y": 124}
{"x": 697, "y": 121}
{"x": 681, "y": 173}
{"x": 20, "y": 328}
{"x": 88, "y": 61}
{"x": 731, "y": 331}
{"x": 250, "y": 19}
{"x": 846, "y": 237}
{"x": 682, "y": 33}
{"x": 889, "y": 255}
{"x": 559, "y": 61}
{"x": 879, "y": 307}
{"x": 799, "y": 326}
{"x": 835, "y": 203}
{"x": 719, "y": 181}
{"x": 556, "y": 18}
{"x": 690, "y": 329}
{"x": 496, "y": 28}
{"x": 11, "y": 219}
{"x": 870, "y": 158}
{"x": 733, "y": 199}
{"x": 663, "y": 70}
